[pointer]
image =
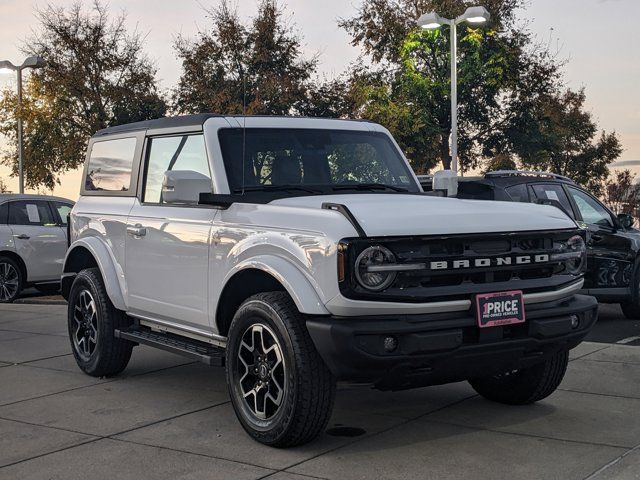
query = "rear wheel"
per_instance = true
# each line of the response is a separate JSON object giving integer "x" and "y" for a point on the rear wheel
{"x": 11, "y": 280}
{"x": 280, "y": 388}
{"x": 92, "y": 319}
{"x": 526, "y": 385}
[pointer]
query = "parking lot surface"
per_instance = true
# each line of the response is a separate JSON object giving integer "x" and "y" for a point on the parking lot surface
{"x": 167, "y": 417}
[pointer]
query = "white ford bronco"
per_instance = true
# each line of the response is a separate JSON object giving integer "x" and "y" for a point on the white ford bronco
{"x": 300, "y": 252}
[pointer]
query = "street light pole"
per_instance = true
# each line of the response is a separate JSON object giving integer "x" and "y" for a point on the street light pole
{"x": 20, "y": 133}
{"x": 454, "y": 96}
{"x": 31, "y": 62}
{"x": 432, "y": 21}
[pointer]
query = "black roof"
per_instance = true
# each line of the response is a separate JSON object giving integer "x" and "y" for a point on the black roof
{"x": 165, "y": 122}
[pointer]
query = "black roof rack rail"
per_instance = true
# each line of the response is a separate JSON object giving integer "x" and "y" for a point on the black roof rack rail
{"x": 526, "y": 173}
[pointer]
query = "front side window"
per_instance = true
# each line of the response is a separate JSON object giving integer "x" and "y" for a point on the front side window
{"x": 553, "y": 192}
{"x": 591, "y": 210}
{"x": 63, "y": 210}
{"x": 186, "y": 152}
{"x": 324, "y": 159}
{"x": 30, "y": 212}
{"x": 110, "y": 165}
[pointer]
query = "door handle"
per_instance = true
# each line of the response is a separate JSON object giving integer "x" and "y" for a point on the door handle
{"x": 137, "y": 230}
{"x": 596, "y": 238}
{"x": 23, "y": 236}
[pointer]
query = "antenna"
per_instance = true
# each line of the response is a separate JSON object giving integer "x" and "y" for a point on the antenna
{"x": 244, "y": 126}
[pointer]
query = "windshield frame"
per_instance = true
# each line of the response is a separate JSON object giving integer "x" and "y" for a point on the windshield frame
{"x": 397, "y": 165}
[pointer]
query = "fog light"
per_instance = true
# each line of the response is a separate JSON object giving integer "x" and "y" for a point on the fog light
{"x": 575, "y": 321}
{"x": 390, "y": 344}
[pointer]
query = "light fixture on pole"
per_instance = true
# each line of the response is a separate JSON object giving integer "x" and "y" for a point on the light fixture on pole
{"x": 432, "y": 21}
{"x": 6, "y": 65}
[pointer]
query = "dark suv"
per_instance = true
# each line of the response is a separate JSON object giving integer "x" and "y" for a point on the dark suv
{"x": 613, "y": 265}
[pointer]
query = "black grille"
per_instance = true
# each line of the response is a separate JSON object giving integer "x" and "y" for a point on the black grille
{"x": 429, "y": 284}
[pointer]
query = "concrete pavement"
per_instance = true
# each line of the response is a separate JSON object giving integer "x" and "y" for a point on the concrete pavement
{"x": 166, "y": 417}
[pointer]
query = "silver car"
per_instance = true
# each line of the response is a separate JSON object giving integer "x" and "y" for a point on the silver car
{"x": 33, "y": 243}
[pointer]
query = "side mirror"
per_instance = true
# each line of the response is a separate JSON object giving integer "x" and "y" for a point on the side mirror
{"x": 184, "y": 186}
{"x": 626, "y": 220}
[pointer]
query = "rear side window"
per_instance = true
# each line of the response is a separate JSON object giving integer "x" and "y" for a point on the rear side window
{"x": 28, "y": 212}
{"x": 110, "y": 165}
{"x": 186, "y": 152}
{"x": 518, "y": 193}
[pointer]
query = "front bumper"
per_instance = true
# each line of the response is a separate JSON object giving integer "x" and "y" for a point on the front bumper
{"x": 446, "y": 347}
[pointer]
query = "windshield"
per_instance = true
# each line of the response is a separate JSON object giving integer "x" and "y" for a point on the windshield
{"x": 313, "y": 160}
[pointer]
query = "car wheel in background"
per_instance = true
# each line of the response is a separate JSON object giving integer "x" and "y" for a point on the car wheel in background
{"x": 92, "y": 319}
{"x": 281, "y": 390}
{"x": 11, "y": 280}
{"x": 631, "y": 309}
{"x": 526, "y": 385}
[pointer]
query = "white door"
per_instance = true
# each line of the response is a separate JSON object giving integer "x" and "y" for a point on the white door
{"x": 167, "y": 246}
{"x": 38, "y": 239}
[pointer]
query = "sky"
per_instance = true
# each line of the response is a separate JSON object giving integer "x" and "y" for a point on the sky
{"x": 599, "y": 39}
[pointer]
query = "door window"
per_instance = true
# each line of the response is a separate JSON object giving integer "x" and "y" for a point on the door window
{"x": 4, "y": 213}
{"x": 165, "y": 154}
{"x": 110, "y": 165}
{"x": 591, "y": 210}
{"x": 63, "y": 210}
{"x": 30, "y": 212}
{"x": 518, "y": 193}
{"x": 553, "y": 192}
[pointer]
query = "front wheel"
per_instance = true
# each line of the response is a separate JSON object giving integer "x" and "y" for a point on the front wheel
{"x": 526, "y": 385}
{"x": 281, "y": 390}
{"x": 631, "y": 309}
{"x": 92, "y": 319}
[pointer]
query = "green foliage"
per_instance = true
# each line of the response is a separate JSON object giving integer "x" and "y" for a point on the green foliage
{"x": 231, "y": 65}
{"x": 3, "y": 186}
{"x": 508, "y": 88}
{"x": 560, "y": 136}
{"x": 501, "y": 161}
{"x": 96, "y": 76}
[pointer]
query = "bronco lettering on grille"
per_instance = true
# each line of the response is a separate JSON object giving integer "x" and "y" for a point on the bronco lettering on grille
{"x": 488, "y": 262}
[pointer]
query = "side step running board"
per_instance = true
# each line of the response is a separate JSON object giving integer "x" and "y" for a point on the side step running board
{"x": 203, "y": 352}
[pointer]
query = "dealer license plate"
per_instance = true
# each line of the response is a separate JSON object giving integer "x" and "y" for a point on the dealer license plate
{"x": 501, "y": 308}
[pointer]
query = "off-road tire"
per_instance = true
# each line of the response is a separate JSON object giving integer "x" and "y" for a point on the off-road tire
{"x": 631, "y": 309}
{"x": 525, "y": 386}
{"x": 15, "y": 268}
{"x": 110, "y": 355}
{"x": 310, "y": 387}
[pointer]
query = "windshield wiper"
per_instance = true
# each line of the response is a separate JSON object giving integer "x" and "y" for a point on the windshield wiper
{"x": 277, "y": 188}
{"x": 369, "y": 186}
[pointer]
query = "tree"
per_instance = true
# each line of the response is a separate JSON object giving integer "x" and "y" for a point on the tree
{"x": 621, "y": 194}
{"x": 560, "y": 136}
{"x": 505, "y": 78}
{"x": 3, "y": 187}
{"x": 412, "y": 76}
{"x": 233, "y": 68}
{"x": 97, "y": 76}
{"x": 501, "y": 161}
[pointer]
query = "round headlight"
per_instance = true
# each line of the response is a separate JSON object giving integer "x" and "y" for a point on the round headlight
{"x": 366, "y": 272}
{"x": 576, "y": 246}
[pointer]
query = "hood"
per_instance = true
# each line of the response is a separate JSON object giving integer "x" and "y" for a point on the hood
{"x": 398, "y": 214}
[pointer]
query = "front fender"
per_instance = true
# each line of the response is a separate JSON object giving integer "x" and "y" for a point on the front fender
{"x": 292, "y": 279}
{"x": 112, "y": 273}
